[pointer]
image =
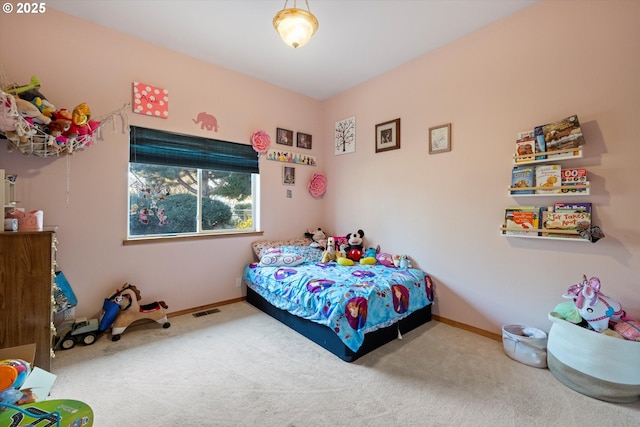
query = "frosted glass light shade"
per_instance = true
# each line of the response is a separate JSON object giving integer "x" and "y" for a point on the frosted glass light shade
{"x": 295, "y": 26}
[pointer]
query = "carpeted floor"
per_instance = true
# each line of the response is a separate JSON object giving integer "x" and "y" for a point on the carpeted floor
{"x": 239, "y": 367}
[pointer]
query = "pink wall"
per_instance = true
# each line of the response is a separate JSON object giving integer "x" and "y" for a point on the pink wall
{"x": 82, "y": 62}
{"x": 552, "y": 60}
{"x": 547, "y": 62}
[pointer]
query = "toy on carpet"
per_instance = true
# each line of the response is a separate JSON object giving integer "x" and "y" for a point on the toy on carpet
{"x": 596, "y": 308}
{"x": 127, "y": 298}
{"x": 83, "y": 330}
{"x": 318, "y": 236}
{"x": 330, "y": 254}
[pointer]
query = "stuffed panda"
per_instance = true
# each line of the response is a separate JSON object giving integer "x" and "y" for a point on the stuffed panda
{"x": 355, "y": 245}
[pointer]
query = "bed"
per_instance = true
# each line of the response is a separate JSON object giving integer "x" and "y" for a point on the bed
{"x": 348, "y": 310}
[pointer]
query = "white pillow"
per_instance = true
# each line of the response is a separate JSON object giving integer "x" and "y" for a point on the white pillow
{"x": 279, "y": 259}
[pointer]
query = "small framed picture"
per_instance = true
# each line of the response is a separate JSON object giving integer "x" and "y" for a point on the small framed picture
{"x": 440, "y": 139}
{"x": 288, "y": 175}
{"x": 284, "y": 136}
{"x": 388, "y": 136}
{"x": 303, "y": 140}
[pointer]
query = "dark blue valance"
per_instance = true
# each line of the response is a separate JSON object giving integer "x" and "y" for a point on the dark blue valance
{"x": 171, "y": 149}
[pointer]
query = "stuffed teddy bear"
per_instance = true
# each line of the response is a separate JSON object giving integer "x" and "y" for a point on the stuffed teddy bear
{"x": 355, "y": 245}
{"x": 318, "y": 236}
{"x": 330, "y": 254}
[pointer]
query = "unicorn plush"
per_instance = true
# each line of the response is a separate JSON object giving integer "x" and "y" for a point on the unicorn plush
{"x": 595, "y": 307}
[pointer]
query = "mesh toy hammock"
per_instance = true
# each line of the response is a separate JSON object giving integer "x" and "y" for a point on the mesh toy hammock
{"x": 33, "y": 139}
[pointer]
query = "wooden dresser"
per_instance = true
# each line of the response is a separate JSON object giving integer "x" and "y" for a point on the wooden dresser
{"x": 27, "y": 273}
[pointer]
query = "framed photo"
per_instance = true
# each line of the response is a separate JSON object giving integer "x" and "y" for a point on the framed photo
{"x": 284, "y": 136}
{"x": 388, "y": 136}
{"x": 288, "y": 175}
{"x": 440, "y": 139}
{"x": 303, "y": 140}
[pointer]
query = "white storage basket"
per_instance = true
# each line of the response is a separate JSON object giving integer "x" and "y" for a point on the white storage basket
{"x": 525, "y": 344}
{"x": 594, "y": 364}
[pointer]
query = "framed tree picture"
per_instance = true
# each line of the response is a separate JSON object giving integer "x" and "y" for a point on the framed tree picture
{"x": 345, "y": 137}
{"x": 388, "y": 136}
{"x": 440, "y": 139}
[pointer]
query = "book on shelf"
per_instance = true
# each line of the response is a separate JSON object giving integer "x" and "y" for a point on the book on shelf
{"x": 549, "y": 178}
{"x": 574, "y": 177}
{"x": 561, "y": 135}
{"x": 572, "y": 207}
{"x": 541, "y": 144}
{"x": 525, "y": 146}
{"x": 521, "y": 218}
{"x": 565, "y": 216}
{"x": 530, "y": 136}
{"x": 566, "y": 221}
{"x": 522, "y": 177}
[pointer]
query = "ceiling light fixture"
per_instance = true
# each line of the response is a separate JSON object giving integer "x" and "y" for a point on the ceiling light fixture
{"x": 295, "y": 26}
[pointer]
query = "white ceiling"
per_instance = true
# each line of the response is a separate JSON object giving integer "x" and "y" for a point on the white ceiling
{"x": 356, "y": 39}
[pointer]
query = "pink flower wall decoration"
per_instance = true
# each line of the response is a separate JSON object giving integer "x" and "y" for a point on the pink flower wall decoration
{"x": 260, "y": 141}
{"x": 318, "y": 184}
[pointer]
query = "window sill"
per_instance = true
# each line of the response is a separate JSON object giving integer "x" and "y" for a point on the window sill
{"x": 185, "y": 237}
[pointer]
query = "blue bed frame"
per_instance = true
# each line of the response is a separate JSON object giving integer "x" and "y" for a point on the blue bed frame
{"x": 329, "y": 340}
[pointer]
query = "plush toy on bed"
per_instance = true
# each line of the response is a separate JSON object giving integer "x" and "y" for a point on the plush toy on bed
{"x": 330, "y": 254}
{"x": 318, "y": 236}
{"x": 355, "y": 245}
{"x": 369, "y": 256}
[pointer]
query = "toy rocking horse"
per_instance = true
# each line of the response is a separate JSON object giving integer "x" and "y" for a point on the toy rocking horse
{"x": 127, "y": 298}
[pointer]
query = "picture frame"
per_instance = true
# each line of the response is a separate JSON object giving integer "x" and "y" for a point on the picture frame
{"x": 288, "y": 175}
{"x": 345, "y": 136}
{"x": 440, "y": 139}
{"x": 303, "y": 140}
{"x": 284, "y": 136}
{"x": 388, "y": 136}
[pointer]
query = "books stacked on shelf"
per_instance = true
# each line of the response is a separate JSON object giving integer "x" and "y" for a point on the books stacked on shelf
{"x": 566, "y": 216}
{"x": 573, "y": 177}
{"x": 561, "y": 135}
{"x": 541, "y": 142}
{"x": 521, "y": 218}
{"x": 548, "y": 179}
{"x": 522, "y": 177}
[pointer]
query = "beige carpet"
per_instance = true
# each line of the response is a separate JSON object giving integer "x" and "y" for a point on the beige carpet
{"x": 240, "y": 367}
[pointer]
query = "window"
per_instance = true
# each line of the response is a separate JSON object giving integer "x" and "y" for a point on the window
{"x": 182, "y": 184}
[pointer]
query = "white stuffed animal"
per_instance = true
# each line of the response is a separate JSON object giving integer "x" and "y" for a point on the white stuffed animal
{"x": 595, "y": 307}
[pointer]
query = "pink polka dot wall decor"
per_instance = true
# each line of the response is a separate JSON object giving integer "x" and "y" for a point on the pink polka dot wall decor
{"x": 150, "y": 100}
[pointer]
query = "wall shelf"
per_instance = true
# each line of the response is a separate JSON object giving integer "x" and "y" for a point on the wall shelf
{"x": 571, "y": 190}
{"x": 568, "y": 154}
{"x": 533, "y": 234}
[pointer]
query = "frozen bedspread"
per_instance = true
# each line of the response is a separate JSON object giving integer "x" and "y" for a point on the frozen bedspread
{"x": 350, "y": 300}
